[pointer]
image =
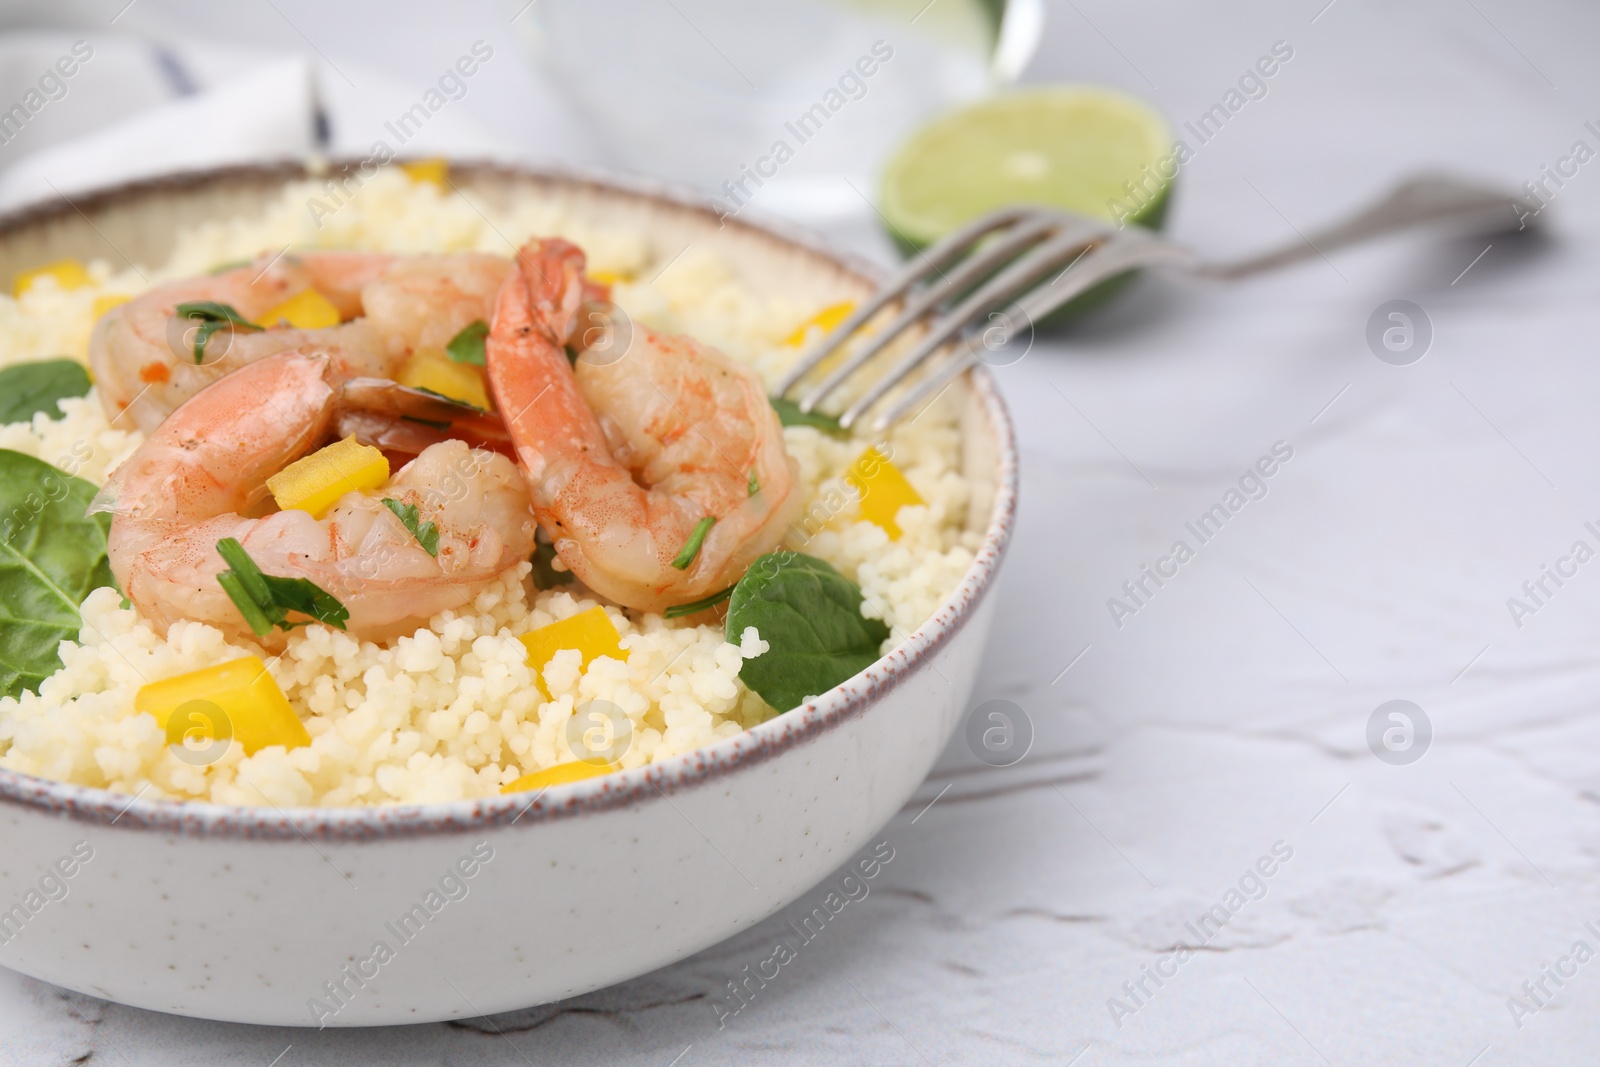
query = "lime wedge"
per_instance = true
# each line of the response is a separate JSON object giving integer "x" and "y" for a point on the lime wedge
{"x": 1080, "y": 149}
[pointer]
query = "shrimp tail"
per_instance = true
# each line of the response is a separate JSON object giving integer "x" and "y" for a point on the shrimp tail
{"x": 552, "y": 274}
{"x": 528, "y": 369}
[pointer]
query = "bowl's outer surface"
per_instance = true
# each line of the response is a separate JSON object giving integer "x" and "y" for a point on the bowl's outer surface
{"x": 256, "y": 915}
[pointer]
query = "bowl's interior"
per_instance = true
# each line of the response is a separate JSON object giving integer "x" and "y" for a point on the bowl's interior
{"x": 137, "y": 225}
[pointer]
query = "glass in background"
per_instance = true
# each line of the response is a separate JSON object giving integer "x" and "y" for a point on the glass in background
{"x": 789, "y": 106}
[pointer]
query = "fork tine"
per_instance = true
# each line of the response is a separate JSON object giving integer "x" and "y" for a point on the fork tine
{"x": 971, "y": 269}
{"x": 1061, "y": 249}
{"x": 1125, "y": 251}
{"x": 931, "y": 385}
{"x": 931, "y": 259}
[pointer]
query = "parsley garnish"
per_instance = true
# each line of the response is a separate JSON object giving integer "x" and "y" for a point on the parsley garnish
{"x": 754, "y": 484}
{"x": 789, "y": 414}
{"x": 678, "y": 611}
{"x": 212, "y": 317}
{"x": 426, "y": 533}
{"x": 266, "y": 600}
{"x": 467, "y": 346}
{"x": 457, "y": 401}
{"x": 691, "y": 547}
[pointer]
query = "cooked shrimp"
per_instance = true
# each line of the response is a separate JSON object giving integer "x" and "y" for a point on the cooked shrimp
{"x": 142, "y": 354}
{"x": 626, "y": 460}
{"x": 202, "y": 473}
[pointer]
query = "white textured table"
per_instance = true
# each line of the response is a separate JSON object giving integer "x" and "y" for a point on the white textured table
{"x": 1227, "y": 717}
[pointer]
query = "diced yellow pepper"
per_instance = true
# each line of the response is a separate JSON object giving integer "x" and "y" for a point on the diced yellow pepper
{"x": 236, "y": 699}
{"x": 306, "y": 310}
{"x": 560, "y": 774}
{"x": 824, "y": 320}
{"x": 103, "y": 304}
{"x": 68, "y": 273}
{"x": 607, "y": 277}
{"x": 433, "y": 369}
{"x": 884, "y": 490}
{"x": 316, "y": 482}
{"x": 431, "y": 171}
{"x": 590, "y": 632}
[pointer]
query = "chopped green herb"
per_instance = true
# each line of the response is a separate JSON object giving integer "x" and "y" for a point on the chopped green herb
{"x": 242, "y": 599}
{"x": 678, "y": 611}
{"x": 212, "y": 317}
{"x": 755, "y": 483}
{"x": 467, "y": 346}
{"x": 426, "y": 533}
{"x": 691, "y": 547}
{"x": 545, "y": 575}
{"x": 266, "y": 600}
{"x": 426, "y": 422}
{"x": 457, "y": 401}
{"x": 789, "y": 414}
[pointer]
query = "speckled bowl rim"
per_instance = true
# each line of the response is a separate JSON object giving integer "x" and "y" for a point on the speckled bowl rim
{"x": 703, "y": 766}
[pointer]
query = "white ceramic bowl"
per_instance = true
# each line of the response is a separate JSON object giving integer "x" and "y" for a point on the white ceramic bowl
{"x": 250, "y": 914}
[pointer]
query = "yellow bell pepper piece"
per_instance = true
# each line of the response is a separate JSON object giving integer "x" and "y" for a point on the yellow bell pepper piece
{"x": 430, "y": 171}
{"x": 306, "y": 310}
{"x": 607, "y": 277}
{"x": 316, "y": 482}
{"x": 236, "y": 699}
{"x": 433, "y": 369}
{"x": 68, "y": 273}
{"x": 103, "y": 304}
{"x": 560, "y": 774}
{"x": 824, "y": 320}
{"x": 591, "y": 632}
{"x": 884, "y": 490}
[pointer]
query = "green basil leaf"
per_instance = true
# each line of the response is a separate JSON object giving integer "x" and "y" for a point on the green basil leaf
{"x": 52, "y": 553}
{"x": 789, "y": 414}
{"x": 29, "y": 388}
{"x": 467, "y": 346}
{"x": 426, "y": 533}
{"x": 810, "y": 615}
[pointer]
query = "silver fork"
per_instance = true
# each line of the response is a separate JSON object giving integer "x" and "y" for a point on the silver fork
{"x": 1035, "y": 260}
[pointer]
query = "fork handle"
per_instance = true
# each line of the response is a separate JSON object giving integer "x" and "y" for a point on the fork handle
{"x": 1421, "y": 200}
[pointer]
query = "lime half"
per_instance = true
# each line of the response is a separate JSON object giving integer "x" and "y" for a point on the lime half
{"x": 1080, "y": 149}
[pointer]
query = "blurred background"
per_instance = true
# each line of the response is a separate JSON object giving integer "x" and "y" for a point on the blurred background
{"x": 689, "y": 91}
{"x": 695, "y": 90}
